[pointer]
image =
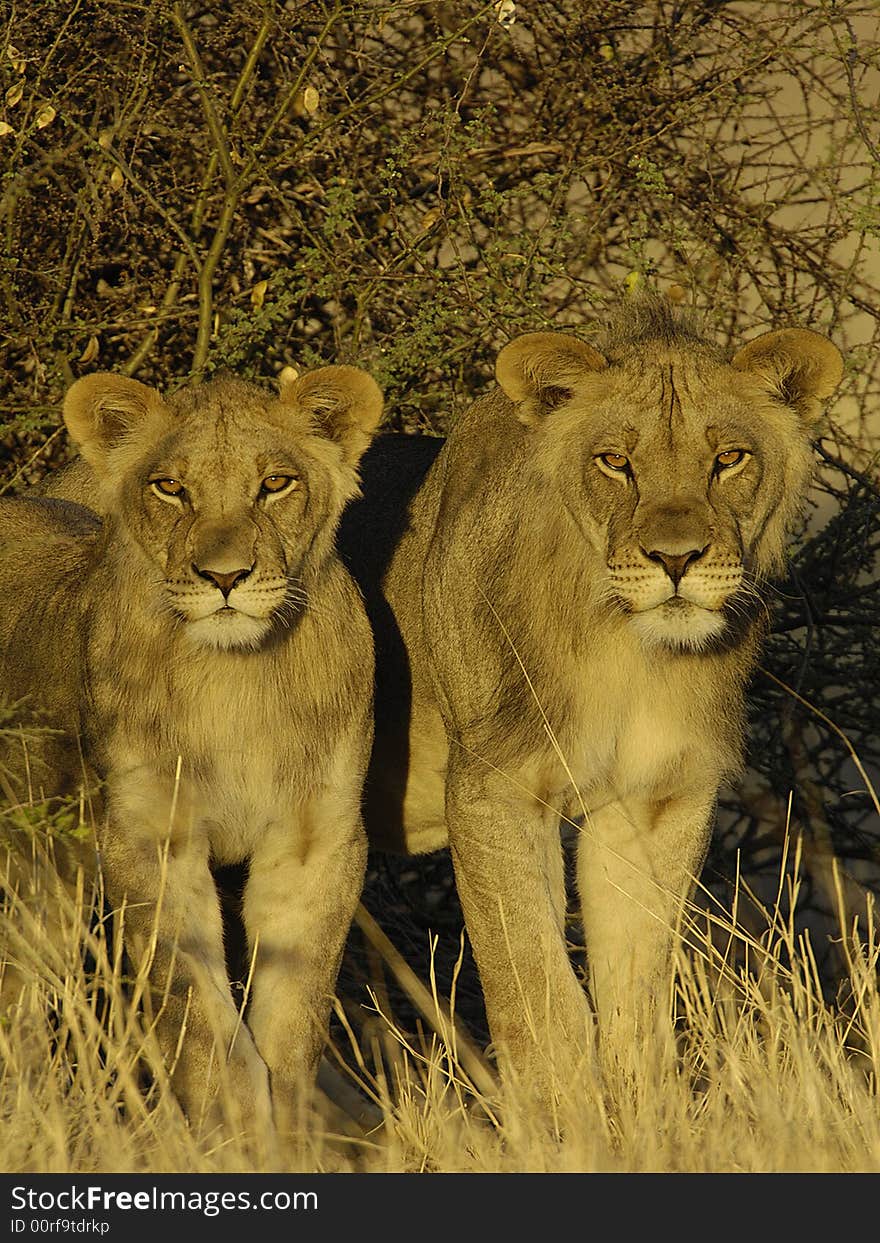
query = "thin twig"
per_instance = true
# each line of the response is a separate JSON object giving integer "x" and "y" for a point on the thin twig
{"x": 836, "y": 728}
{"x": 434, "y": 1010}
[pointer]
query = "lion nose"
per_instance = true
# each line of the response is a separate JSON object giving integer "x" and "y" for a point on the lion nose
{"x": 225, "y": 581}
{"x": 675, "y": 564}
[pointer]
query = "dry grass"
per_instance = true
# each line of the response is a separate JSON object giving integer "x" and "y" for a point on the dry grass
{"x": 765, "y": 1074}
{"x": 459, "y": 183}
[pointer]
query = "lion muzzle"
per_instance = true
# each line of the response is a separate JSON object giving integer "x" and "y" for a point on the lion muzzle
{"x": 675, "y": 564}
{"x": 224, "y": 579}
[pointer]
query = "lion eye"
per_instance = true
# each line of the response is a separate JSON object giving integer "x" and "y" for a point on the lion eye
{"x": 615, "y": 461}
{"x": 730, "y": 457}
{"x": 168, "y": 487}
{"x": 275, "y": 484}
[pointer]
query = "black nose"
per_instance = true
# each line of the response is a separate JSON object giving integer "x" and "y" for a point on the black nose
{"x": 675, "y": 564}
{"x": 224, "y": 581}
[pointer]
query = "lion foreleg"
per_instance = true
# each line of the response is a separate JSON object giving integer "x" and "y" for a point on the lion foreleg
{"x": 302, "y": 891}
{"x": 637, "y": 862}
{"x": 508, "y": 866}
{"x": 164, "y": 895}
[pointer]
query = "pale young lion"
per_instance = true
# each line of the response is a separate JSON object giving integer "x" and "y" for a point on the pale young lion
{"x": 566, "y": 612}
{"x": 206, "y": 651}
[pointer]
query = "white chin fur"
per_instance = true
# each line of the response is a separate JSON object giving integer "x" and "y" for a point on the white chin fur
{"x": 684, "y": 626}
{"x": 228, "y": 631}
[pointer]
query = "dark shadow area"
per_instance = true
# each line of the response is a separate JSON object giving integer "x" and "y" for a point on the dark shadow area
{"x": 392, "y": 470}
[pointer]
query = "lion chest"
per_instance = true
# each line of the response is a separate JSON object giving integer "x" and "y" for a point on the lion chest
{"x": 651, "y": 749}
{"x": 637, "y": 735}
{"x": 240, "y": 788}
{"x": 227, "y": 761}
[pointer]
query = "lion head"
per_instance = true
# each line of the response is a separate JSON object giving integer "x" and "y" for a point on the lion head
{"x": 226, "y": 496}
{"x": 683, "y": 472}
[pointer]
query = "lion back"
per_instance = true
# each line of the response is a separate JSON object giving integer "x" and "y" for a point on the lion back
{"x": 46, "y": 547}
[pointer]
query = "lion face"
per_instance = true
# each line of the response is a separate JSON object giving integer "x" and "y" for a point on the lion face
{"x": 231, "y": 556}
{"x": 229, "y": 496}
{"x": 682, "y": 474}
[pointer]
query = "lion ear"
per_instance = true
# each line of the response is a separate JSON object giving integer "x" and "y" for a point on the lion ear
{"x": 538, "y": 371}
{"x": 343, "y": 403}
{"x": 101, "y": 410}
{"x": 799, "y": 367}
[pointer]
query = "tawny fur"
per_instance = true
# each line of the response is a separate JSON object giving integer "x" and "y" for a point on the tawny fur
{"x": 210, "y": 658}
{"x": 554, "y": 635}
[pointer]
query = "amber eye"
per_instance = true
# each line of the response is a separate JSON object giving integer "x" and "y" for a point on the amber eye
{"x": 730, "y": 457}
{"x": 273, "y": 484}
{"x": 615, "y": 461}
{"x": 168, "y": 487}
